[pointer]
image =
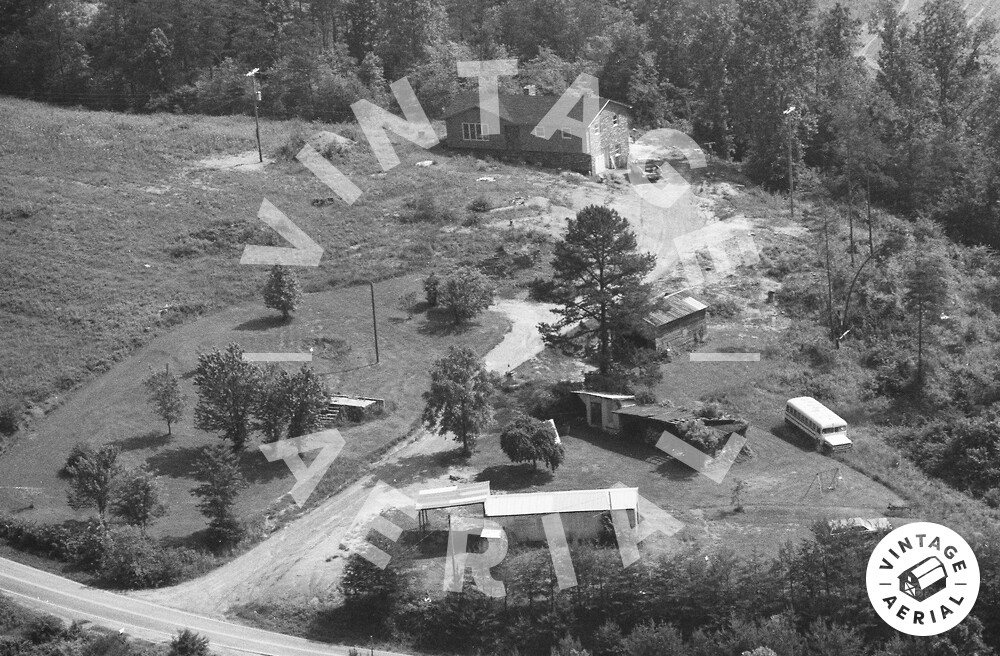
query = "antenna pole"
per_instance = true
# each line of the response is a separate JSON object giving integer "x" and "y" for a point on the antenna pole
{"x": 374, "y": 322}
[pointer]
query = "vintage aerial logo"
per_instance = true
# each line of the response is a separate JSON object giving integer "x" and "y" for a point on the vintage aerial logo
{"x": 923, "y": 579}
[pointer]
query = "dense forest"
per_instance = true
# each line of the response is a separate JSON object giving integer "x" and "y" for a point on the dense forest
{"x": 915, "y": 130}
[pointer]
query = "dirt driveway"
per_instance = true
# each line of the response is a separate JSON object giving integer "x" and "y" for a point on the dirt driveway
{"x": 304, "y": 560}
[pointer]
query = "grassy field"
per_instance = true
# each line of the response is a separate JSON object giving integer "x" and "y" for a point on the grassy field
{"x": 108, "y": 219}
{"x": 112, "y": 409}
{"x": 120, "y": 246}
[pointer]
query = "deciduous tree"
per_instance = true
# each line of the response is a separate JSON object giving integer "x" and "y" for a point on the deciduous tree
{"x": 137, "y": 497}
{"x": 271, "y": 411}
{"x": 166, "y": 397}
{"x": 526, "y": 439}
{"x": 307, "y": 398}
{"x": 93, "y": 477}
{"x": 281, "y": 291}
{"x": 227, "y": 394}
{"x": 459, "y": 398}
{"x": 464, "y": 293}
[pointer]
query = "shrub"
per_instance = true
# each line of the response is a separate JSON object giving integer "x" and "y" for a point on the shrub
{"x": 287, "y": 151}
{"x": 189, "y": 643}
{"x": 426, "y": 208}
{"x": 556, "y": 401}
{"x": 44, "y": 629}
{"x": 710, "y": 410}
{"x": 725, "y": 308}
{"x": 480, "y": 204}
{"x": 645, "y": 396}
{"x": 10, "y": 415}
{"x": 133, "y": 560}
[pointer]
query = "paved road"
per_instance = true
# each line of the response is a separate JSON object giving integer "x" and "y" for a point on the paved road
{"x": 71, "y": 600}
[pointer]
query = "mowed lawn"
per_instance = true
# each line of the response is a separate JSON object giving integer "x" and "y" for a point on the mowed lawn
{"x": 788, "y": 484}
{"x": 336, "y": 324}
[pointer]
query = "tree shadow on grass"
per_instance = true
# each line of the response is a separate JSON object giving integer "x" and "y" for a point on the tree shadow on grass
{"x": 262, "y": 323}
{"x": 793, "y": 437}
{"x": 441, "y": 323}
{"x": 514, "y": 477}
{"x": 179, "y": 462}
{"x": 257, "y": 469}
{"x": 422, "y": 466}
{"x": 150, "y": 440}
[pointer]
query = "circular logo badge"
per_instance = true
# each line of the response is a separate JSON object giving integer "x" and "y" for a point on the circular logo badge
{"x": 923, "y": 579}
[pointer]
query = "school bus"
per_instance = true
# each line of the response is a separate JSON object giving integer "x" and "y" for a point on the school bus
{"x": 817, "y": 421}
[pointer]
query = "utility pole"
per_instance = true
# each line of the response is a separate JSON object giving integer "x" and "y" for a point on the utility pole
{"x": 256, "y": 118}
{"x": 791, "y": 179}
{"x": 374, "y": 323}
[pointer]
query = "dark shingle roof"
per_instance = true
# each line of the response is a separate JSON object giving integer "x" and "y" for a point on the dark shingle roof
{"x": 520, "y": 109}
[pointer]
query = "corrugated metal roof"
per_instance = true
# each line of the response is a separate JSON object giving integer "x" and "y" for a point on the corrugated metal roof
{"x": 654, "y": 412}
{"x": 544, "y": 503}
{"x": 453, "y": 495}
{"x": 520, "y": 109}
{"x": 676, "y": 308}
{"x": 351, "y": 402}
{"x": 605, "y": 395}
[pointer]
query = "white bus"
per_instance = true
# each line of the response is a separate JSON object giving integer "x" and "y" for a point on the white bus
{"x": 818, "y": 422}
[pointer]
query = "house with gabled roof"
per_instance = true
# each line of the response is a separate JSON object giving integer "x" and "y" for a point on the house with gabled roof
{"x": 601, "y": 145}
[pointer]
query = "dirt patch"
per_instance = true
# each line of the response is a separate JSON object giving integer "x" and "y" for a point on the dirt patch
{"x": 248, "y": 161}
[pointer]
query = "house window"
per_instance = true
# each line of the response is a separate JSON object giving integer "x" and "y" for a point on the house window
{"x": 566, "y": 133}
{"x": 597, "y": 129}
{"x": 474, "y": 132}
{"x": 539, "y": 132}
{"x": 614, "y": 119}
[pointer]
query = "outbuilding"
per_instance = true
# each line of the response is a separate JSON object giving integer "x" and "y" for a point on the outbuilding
{"x": 582, "y": 513}
{"x": 601, "y": 407}
{"x": 680, "y": 323}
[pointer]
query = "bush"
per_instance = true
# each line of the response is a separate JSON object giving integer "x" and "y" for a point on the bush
{"x": 480, "y": 204}
{"x": 10, "y": 415}
{"x": 189, "y": 643}
{"x": 710, "y": 410}
{"x": 556, "y": 401}
{"x": 725, "y": 308}
{"x": 645, "y": 396}
{"x": 44, "y": 629}
{"x": 133, "y": 560}
{"x": 426, "y": 208}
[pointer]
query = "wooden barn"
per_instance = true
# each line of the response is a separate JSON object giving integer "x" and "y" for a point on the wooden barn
{"x": 681, "y": 323}
{"x": 582, "y": 513}
{"x": 601, "y": 145}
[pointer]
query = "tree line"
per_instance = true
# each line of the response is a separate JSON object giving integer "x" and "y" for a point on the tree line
{"x": 809, "y": 600}
{"x": 776, "y": 84}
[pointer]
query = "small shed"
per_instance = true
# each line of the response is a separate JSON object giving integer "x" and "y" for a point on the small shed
{"x": 924, "y": 579}
{"x": 451, "y": 496}
{"x": 581, "y": 512}
{"x": 601, "y": 407}
{"x": 681, "y": 323}
{"x": 353, "y": 408}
